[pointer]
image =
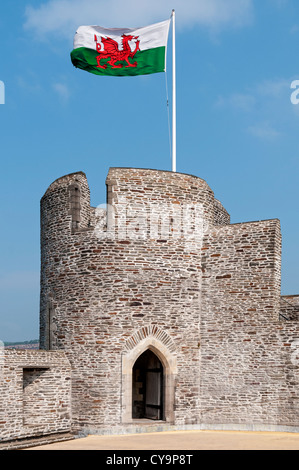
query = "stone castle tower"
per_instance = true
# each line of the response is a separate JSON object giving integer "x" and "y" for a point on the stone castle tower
{"x": 117, "y": 284}
{"x": 155, "y": 309}
{"x": 163, "y": 271}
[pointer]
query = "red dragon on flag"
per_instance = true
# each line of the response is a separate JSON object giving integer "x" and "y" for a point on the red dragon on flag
{"x": 111, "y": 50}
{"x": 121, "y": 52}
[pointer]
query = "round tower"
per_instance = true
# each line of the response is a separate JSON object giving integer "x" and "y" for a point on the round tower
{"x": 121, "y": 293}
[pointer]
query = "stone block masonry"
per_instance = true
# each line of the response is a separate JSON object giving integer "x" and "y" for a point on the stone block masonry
{"x": 99, "y": 289}
{"x": 157, "y": 307}
{"x": 35, "y": 393}
{"x": 243, "y": 362}
{"x": 162, "y": 269}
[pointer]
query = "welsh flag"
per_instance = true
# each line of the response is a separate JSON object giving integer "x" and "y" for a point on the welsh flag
{"x": 121, "y": 51}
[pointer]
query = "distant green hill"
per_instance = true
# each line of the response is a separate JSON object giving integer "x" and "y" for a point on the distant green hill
{"x": 32, "y": 341}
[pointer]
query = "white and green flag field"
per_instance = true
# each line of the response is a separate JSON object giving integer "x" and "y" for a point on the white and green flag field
{"x": 121, "y": 51}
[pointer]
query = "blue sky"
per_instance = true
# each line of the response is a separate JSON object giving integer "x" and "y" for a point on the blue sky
{"x": 236, "y": 125}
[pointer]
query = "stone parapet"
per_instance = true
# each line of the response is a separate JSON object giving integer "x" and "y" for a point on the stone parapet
{"x": 35, "y": 390}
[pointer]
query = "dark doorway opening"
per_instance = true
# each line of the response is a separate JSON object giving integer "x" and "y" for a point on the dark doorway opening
{"x": 147, "y": 387}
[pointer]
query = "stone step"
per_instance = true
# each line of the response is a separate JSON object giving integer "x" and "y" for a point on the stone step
{"x": 19, "y": 444}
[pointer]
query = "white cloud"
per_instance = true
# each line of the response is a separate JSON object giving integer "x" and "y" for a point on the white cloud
{"x": 275, "y": 88}
{"x": 294, "y": 29}
{"x": 29, "y": 82}
{"x": 268, "y": 91}
{"x": 278, "y": 3}
{"x": 62, "y": 17}
{"x": 240, "y": 101}
{"x": 264, "y": 131}
{"x": 62, "y": 90}
{"x": 265, "y": 108}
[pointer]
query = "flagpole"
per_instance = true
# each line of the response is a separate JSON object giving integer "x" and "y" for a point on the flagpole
{"x": 173, "y": 95}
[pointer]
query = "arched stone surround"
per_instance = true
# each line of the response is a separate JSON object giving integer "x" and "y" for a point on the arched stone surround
{"x": 156, "y": 340}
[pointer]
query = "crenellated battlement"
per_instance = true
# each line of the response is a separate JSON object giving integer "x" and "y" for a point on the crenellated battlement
{"x": 141, "y": 203}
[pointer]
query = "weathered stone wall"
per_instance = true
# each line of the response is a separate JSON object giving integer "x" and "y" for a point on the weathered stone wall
{"x": 104, "y": 286}
{"x": 248, "y": 372}
{"x": 222, "y": 217}
{"x": 143, "y": 191}
{"x": 57, "y": 223}
{"x": 35, "y": 393}
{"x": 289, "y": 307}
{"x": 163, "y": 269}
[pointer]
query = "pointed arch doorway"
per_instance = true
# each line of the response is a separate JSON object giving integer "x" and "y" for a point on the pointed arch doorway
{"x": 147, "y": 387}
{"x": 164, "y": 350}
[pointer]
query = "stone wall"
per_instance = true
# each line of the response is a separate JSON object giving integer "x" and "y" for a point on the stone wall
{"x": 162, "y": 269}
{"x": 222, "y": 217}
{"x": 289, "y": 307}
{"x": 103, "y": 286}
{"x": 35, "y": 394}
{"x": 249, "y": 371}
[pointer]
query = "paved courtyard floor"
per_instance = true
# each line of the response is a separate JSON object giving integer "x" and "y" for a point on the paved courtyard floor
{"x": 182, "y": 440}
